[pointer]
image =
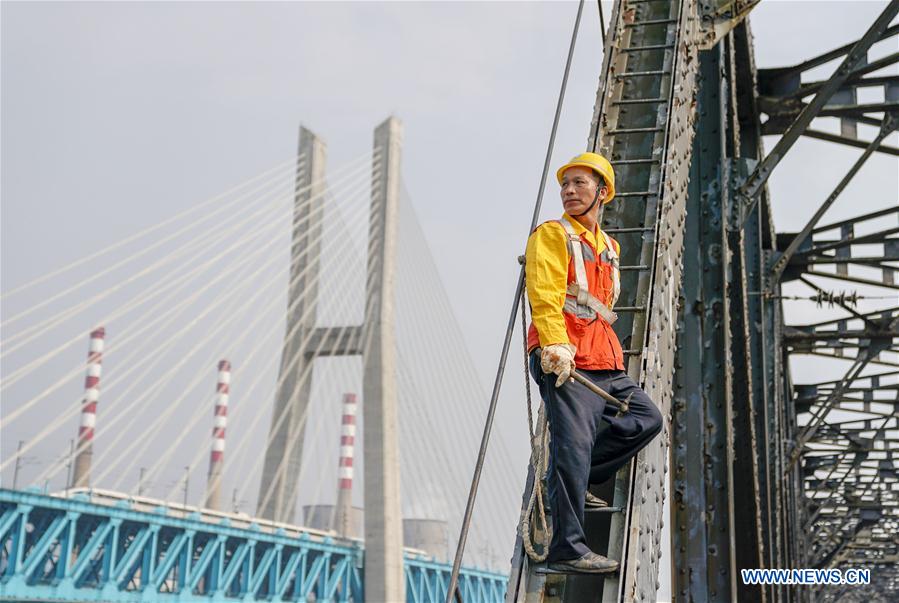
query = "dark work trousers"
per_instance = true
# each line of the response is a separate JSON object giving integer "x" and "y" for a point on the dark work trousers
{"x": 579, "y": 454}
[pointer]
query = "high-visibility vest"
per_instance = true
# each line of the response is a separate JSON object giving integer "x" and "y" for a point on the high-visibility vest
{"x": 588, "y": 314}
{"x": 583, "y": 299}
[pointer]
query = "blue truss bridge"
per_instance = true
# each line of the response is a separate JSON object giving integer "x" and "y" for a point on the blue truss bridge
{"x": 99, "y": 546}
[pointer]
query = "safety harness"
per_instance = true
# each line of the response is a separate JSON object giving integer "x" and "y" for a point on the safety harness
{"x": 583, "y": 301}
{"x": 534, "y": 527}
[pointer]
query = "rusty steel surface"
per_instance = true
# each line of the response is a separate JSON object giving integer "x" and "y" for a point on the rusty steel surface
{"x": 765, "y": 472}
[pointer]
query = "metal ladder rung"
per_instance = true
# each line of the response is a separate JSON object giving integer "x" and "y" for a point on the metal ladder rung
{"x": 628, "y": 74}
{"x": 650, "y": 22}
{"x": 632, "y": 352}
{"x": 634, "y": 130}
{"x": 604, "y": 510}
{"x": 640, "y": 101}
{"x": 630, "y": 309}
{"x": 634, "y": 267}
{"x": 634, "y": 161}
{"x": 648, "y": 47}
{"x": 626, "y": 230}
{"x": 637, "y": 194}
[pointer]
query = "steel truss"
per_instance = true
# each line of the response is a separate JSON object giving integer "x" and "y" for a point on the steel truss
{"x": 846, "y": 430}
{"x": 70, "y": 549}
{"x": 763, "y": 473}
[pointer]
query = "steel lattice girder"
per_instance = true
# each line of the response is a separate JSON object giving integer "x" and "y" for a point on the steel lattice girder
{"x": 69, "y": 549}
{"x": 738, "y": 501}
{"x": 844, "y": 437}
{"x": 720, "y": 473}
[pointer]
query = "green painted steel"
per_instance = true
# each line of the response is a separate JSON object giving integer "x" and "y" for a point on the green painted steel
{"x": 765, "y": 473}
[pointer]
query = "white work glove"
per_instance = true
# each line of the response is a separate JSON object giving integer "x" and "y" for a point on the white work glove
{"x": 558, "y": 359}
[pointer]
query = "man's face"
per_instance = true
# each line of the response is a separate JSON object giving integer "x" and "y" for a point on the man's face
{"x": 579, "y": 189}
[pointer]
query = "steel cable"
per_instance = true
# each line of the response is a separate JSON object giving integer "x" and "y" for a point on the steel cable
{"x": 466, "y": 522}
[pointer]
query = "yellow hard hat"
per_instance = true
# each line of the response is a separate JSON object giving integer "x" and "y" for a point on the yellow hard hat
{"x": 598, "y": 164}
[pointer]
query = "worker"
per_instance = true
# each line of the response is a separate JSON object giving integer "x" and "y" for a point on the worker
{"x": 572, "y": 285}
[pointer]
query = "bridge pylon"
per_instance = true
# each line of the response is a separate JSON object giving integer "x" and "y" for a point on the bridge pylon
{"x": 375, "y": 340}
{"x": 284, "y": 452}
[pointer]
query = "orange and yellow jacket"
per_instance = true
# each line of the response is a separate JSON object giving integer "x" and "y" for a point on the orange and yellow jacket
{"x": 550, "y": 272}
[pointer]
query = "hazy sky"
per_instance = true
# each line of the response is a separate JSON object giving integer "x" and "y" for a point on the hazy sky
{"x": 116, "y": 116}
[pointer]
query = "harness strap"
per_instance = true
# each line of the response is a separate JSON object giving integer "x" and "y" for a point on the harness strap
{"x": 613, "y": 259}
{"x": 595, "y": 305}
{"x": 580, "y": 288}
{"x": 580, "y": 271}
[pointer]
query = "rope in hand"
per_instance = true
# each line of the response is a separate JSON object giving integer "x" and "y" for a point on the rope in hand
{"x": 539, "y": 454}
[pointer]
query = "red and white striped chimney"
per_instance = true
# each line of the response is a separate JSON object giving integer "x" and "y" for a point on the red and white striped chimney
{"x": 344, "y": 508}
{"x": 220, "y": 422}
{"x": 81, "y": 476}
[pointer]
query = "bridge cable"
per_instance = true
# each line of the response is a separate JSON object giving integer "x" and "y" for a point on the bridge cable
{"x": 277, "y": 422}
{"x": 140, "y": 299}
{"x": 457, "y": 425}
{"x": 141, "y": 252}
{"x": 174, "y": 312}
{"x": 149, "y": 292}
{"x": 75, "y": 408}
{"x": 216, "y": 235}
{"x": 267, "y": 173}
{"x": 249, "y": 329}
{"x": 466, "y": 522}
{"x": 451, "y": 332}
{"x": 116, "y": 411}
{"x": 203, "y": 409}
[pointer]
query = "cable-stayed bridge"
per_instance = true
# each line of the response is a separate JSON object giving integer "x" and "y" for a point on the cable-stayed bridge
{"x": 224, "y": 415}
{"x": 217, "y": 387}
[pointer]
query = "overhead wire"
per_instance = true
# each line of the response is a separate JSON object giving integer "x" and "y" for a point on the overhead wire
{"x": 510, "y": 327}
{"x": 115, "y": 412}
{"x": 198, "y": 456}
{"x": 142, "y": 298}
{"x": 291, "y": 162}
{"x": 216, "y": 234}
{"x": 223, "y": 208}
{"x": 75, "y": 409}
{"x": 321, "y": 236}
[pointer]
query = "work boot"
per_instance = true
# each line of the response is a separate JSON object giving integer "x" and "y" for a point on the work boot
{"x": 592, "y": 502}
{"x": 591, "y": 563}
